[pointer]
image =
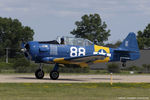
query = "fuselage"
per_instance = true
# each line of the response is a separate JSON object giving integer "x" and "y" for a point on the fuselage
{"x": 41, "y": 52}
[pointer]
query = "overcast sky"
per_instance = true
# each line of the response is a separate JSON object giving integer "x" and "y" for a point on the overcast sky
{"x": 52, "y": 18}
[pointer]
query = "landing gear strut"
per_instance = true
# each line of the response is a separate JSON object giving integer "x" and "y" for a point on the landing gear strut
{"x": 54, "y": 74}
{"x": 39, "y": 74}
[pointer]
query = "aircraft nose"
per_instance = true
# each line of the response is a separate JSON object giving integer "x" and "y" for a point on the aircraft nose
{"x": 25, "y": 49}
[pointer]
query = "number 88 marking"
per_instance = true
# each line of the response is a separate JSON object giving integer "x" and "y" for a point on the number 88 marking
{"x": 77, "y": 52}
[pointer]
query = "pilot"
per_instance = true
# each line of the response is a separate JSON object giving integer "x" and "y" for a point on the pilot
{"x": 62, "y": 41}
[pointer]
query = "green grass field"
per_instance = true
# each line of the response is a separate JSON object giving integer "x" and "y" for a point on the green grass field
{"x": 77, "y": 91}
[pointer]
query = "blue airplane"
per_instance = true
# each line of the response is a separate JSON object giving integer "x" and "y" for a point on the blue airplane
{"x": 54, "y": 53}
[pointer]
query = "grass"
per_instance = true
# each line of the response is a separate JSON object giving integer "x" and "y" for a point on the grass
{"x": 76, "y": 91}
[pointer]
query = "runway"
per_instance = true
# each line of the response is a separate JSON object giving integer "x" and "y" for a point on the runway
{"x": 25, "y": 78}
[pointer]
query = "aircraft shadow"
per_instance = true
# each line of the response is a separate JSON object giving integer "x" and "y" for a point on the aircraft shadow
{"x": 31, "y": 78}
{"x": 70, "y": 80}
{"x": 60, "y": 79}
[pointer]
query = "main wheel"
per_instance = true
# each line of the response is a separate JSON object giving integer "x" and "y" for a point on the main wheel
{"x": 54, "y": 75}
{"x": 39, "y": 74}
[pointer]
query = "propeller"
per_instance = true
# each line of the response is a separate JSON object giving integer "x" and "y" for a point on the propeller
{"x": 25, "y": 48}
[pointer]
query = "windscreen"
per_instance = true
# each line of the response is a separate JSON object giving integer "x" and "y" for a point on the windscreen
{"x": 77, "y": 41}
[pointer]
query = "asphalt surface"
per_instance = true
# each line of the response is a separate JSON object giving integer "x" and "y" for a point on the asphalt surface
{"x": 24, "y": 78}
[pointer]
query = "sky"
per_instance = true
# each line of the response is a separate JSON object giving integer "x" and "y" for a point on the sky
{"x": 52, "y": 18}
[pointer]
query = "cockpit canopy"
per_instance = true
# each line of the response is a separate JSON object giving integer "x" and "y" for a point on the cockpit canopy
{"x": 74, "y": 41}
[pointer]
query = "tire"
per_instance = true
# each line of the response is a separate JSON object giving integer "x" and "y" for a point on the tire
{"x": 39, "y": 74}
{"x": 54, "y": 75}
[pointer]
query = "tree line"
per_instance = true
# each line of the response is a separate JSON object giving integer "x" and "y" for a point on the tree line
{"x": 11, "y": 33}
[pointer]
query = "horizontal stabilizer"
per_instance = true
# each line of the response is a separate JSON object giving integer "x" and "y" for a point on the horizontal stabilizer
{"x": 124, "y": 51}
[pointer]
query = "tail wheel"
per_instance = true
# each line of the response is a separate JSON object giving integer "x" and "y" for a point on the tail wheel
{"x": 39, "y": 74}
{"x": 54, "y": 75}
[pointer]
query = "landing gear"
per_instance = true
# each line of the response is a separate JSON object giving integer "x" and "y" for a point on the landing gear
{"x": 54, "y": 74}
{"x": 39, "y": 74}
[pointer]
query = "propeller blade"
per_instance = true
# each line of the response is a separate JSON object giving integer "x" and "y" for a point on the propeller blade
{"x": 27, "y": 55}
{"x": 25, "y": 49}
{"x": 22, "y": 45}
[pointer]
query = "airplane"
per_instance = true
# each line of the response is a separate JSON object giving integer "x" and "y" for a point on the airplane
{"x": 51, "y": 52}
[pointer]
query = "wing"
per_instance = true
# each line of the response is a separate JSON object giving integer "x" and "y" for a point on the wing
{"x": 86, "y": 59}
{"x": 82, "y": 60}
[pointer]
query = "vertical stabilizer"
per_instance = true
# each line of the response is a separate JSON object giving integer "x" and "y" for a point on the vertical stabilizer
{"x": 130, "y": 43}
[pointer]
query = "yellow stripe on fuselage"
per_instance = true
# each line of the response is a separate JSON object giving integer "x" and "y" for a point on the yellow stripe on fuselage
{"x": 62, "y": 61}
{"x": 97, "y": 48}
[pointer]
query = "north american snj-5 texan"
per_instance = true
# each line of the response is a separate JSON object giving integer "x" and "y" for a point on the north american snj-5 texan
{"x": 78, "y": 51}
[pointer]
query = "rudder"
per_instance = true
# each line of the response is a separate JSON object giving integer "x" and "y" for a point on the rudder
{"x": 130, "y": 43}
